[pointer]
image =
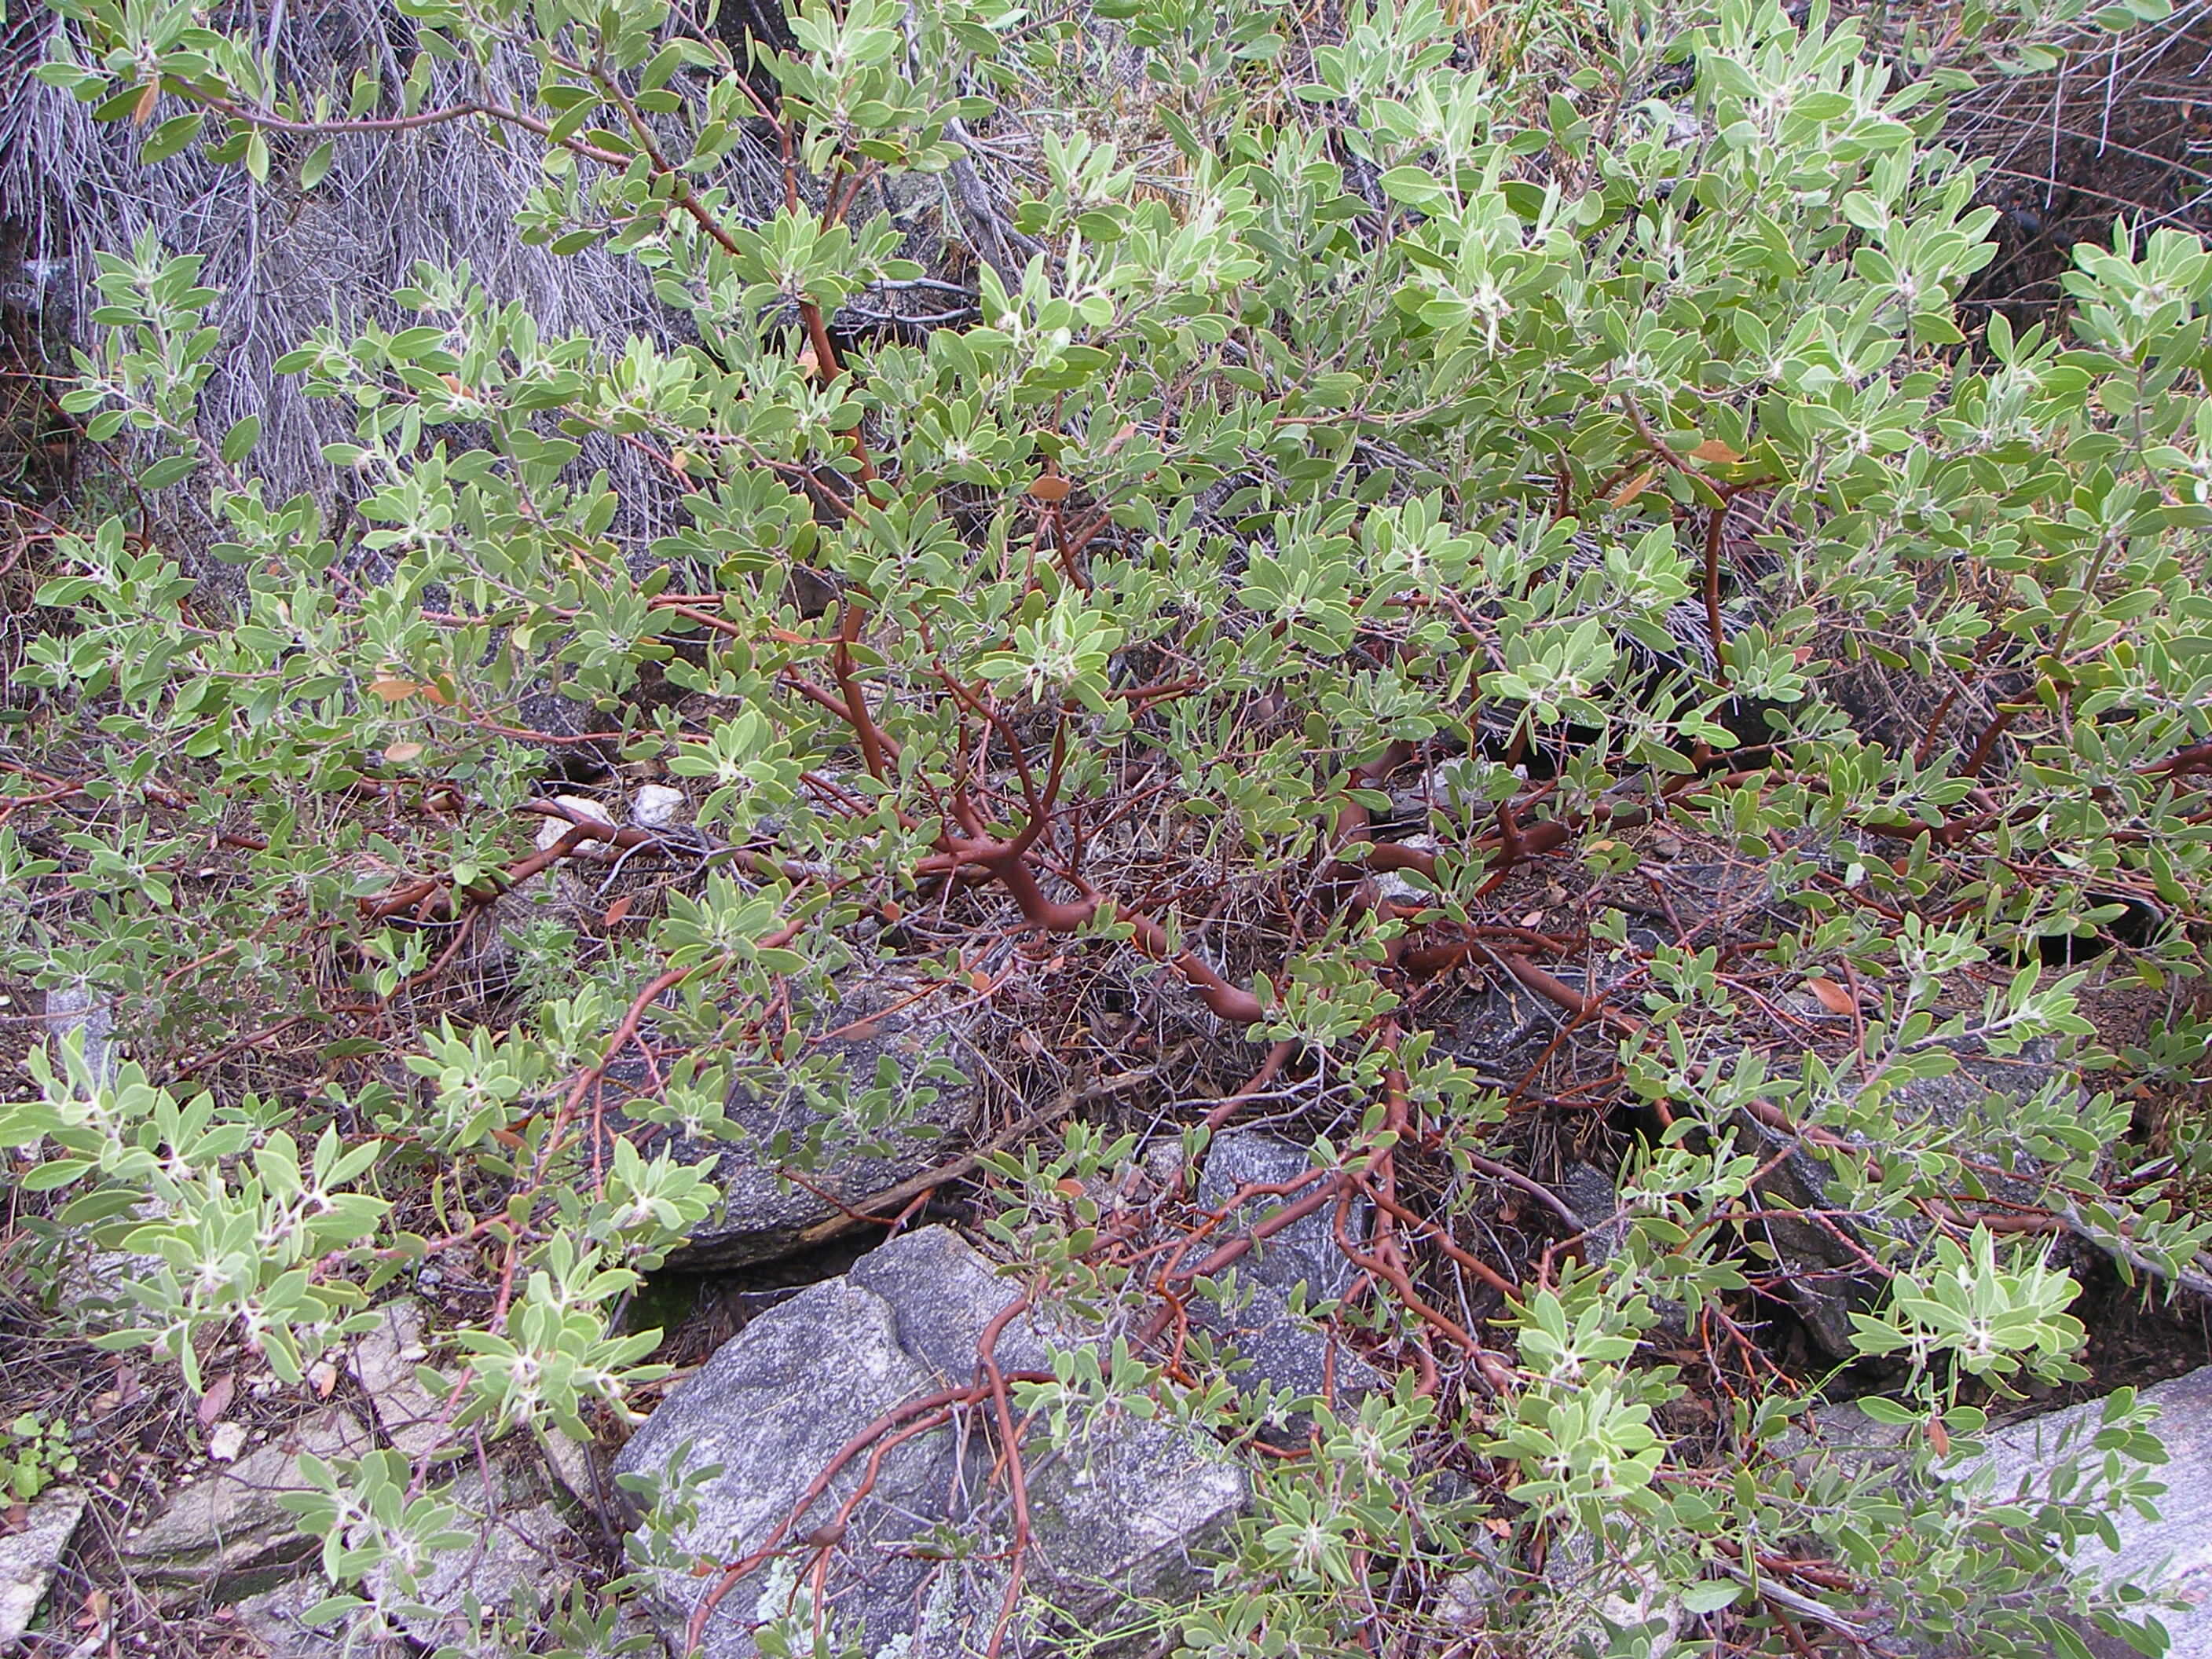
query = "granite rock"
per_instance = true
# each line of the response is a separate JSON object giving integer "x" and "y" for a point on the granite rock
{"x": 1283, "y": 1349}
{"x": 531, "y": 1546}
{"x": 1126, "y": 1509}
{"x": 277, "y": 1620}
{"x": 29, "y": 1556}
{"x": 762, "y": 1214}
{"x": 2170, "y": 1555}
{"x": 519, "y": 1538}
{"x": 227, "y": 1535}
{"x": 1822, "y": 1261}
{"x": 384, "y": 1361}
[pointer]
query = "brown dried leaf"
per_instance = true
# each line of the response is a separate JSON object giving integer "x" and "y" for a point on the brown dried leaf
{"x": 216, "y": 1400}
{"x": 393, "y": 689}
{"x": 1050, "y": 487}
{"x": 1635, "y": 487}
{"x": 400, "y": 752}
{"x": 1832, "y": 996}
{"x": 617, "y": 910}
{"x": 142, "y": 111}
{"x": 1714, "y": 453}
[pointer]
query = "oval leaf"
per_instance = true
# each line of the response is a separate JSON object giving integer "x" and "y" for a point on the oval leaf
{"x": 238, "y": 443}
{"x": 1832, "y": 996}
{"x": 172, "y": 135}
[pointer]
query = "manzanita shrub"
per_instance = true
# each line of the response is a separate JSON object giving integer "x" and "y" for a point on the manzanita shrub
{"x": 1546, "y": 421}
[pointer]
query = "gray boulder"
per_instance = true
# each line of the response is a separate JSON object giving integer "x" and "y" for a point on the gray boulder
{"x": 386, "y": 1361}
{"x": 1126, "y": 1510}
{"x": 1840, "y": 1440}
{"x": 277, "y": 1620}
{"x": 942, "y": 1295}
{"x": 81, "y": 1011}
{"x": 227, "y": 1535}
{"x": 763, "y": 1214}
{"x": 1823, "y": 1262}
{"x": 29, "y": 1556}
{"x": 1499, "y": 1028}
{"x": 520, "y": 1542}
{"x": 2171, "y": 1555}
{"x": 1595, "y": 1201}
{"x": 519, "y": 1546}
{"x": 1284, "y": 1350}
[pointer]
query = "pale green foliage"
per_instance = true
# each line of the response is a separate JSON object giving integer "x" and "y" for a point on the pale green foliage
{"x": 1342, "y": 400}
{"x": 1963, "y": 1304}
{"x": 215, "y": 1196}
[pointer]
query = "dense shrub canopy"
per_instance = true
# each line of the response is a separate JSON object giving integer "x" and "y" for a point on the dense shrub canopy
{"x": 1377, "y": 487}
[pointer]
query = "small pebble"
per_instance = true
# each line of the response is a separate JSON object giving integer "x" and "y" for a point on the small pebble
{"x": 550, "y": 831}
{"x": 655, "y": 806}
